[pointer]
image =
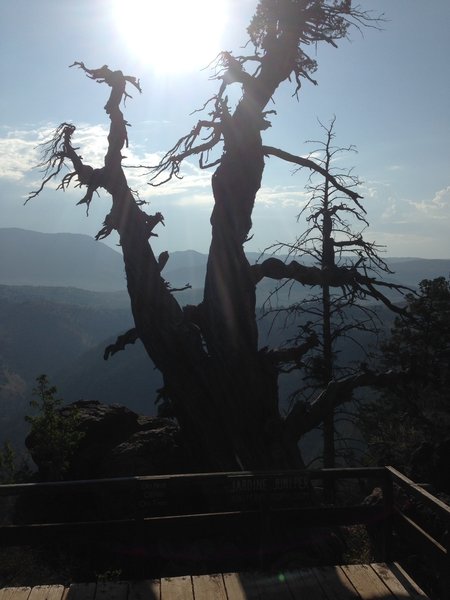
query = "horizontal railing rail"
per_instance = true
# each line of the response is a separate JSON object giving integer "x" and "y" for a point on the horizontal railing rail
{"x": 140, "y": 507}
{"x": 183, "y": 478}
{"x": 163, "y": 495}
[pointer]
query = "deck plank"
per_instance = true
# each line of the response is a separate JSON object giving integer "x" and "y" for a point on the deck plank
{"x": 80, "y": 591}
{"x": 398, "y": 581}
{"x": 209, "y": 587}
{"x": 272, "y": 587}
{"x": 145, "y": 590}
{"x": 335, "y": 584}
{"x": 15, "y": 593}
{"x": 176, "y": 588}
{"x": 367, "y": 583}
{"x": 303, "y": 584}
{"x": 47, "y": 592}
{"x": 236, "y": 588}
{"x": 378, "y": 581}
{"x": 112, "y": 590}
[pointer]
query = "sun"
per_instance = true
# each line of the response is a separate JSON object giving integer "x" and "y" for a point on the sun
{"x": 171, "y": 35}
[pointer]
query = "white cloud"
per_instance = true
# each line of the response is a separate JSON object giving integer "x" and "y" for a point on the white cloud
{"x": 193, "y": 187}
{"x": 17, "y": 157}
{"x": 199, "y": 200}
{"x": 414, "y": 228}
{"x": 437, "y": 208}
{"x": 407, "y": 242}
{"x": 368, "y": 191}
{"x": 442, "y": 198}
{"x": 21, "y": 149}
{"x": 282, "y": 197}
{"x": 92, "y": 143}
{"x": 397, "y": 210}
{"x": 391, "y": 211}
{"x": 20, "y": 154}
{"x": 373, "y": 189}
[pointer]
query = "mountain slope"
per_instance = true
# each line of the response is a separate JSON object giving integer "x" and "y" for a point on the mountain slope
{"x": 58, "y": 259}
{"x": 39, "y": 335}
{"x": 78, "y": 261}
{"x": 410, "y": 271}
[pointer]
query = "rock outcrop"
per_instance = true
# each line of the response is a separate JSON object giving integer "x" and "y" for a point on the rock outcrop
{"x": 117, "y": 442}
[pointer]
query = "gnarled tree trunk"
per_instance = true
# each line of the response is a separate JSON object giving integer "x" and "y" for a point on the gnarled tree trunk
{"x": 223, "y": 389}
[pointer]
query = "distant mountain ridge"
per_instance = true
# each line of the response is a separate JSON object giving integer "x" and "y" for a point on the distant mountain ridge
{"x": 410, "y": 271}
{"x": 59, "y": 259}
{"x": 65, "y": 295}
{"x": 31, "y": 258}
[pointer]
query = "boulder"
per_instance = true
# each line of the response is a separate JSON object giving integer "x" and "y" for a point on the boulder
{"x": 117, "y": 442}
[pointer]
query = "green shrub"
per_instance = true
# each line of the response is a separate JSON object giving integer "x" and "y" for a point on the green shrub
{"x": 53, "y": 436}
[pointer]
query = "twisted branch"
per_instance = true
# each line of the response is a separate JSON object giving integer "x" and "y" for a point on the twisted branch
{"x": 347, "y": 277}
{"x": 171, "y": 162}
{"x": 123, "y": 340}
{"x": 305, "y": 416}
{"x": 310, "y": 164}
{"x": 293, "y": 355}
{"x": 105, "y": 75}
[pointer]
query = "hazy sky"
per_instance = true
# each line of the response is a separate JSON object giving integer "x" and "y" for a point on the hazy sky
{"x": 389, "y": 90}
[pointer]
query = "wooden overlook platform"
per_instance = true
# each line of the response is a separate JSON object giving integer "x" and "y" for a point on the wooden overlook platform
{"x": 231, "y": 536}
{"x": 358, "y": 582}
{"x": 352, "y": 582}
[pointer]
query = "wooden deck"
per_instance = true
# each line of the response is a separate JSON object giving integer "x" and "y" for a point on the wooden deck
{"x": 357, "y": 582}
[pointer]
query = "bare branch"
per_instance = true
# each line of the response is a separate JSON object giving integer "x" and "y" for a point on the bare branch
{"x": 294, "y": 355}
{"x": 105, "y": 75}
{"x": 54, "y": 152}
{"x": 347, "y": 277}
{"x": 310, "y": 164}
{"x": 123, "y": 340}
{"x": 329, "y": 24}
{"x": 187, "y": 286}
{"x": 305, "y": 416}
{"x": 171, "y": 161}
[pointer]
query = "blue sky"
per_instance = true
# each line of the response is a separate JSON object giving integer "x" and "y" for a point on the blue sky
{"x": 389, "y": 90}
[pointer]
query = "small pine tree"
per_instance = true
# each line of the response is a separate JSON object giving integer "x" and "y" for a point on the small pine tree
{"x": 408, "y": 425}
{"x": 54, "y": 436}
{"x": 7, "y": 463}
{"x": 13, "y": 468}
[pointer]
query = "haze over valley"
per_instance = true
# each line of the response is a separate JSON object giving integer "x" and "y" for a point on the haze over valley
{"x": 63, "y": 299}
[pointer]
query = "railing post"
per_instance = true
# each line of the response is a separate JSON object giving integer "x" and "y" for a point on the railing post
{"x": 388, "y": 502}
{"x": 445, "y": 585}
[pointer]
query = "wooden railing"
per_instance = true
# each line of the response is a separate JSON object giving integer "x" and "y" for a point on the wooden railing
{"x": 424, "y": 521}
{"x": 257, "y": 505}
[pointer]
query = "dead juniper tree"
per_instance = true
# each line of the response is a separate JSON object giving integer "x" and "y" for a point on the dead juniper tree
{"x": 222, "y": 387}
{"x": 334, "y": 238}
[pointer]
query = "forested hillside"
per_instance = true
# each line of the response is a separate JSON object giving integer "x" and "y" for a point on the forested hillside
{"x": 42, "y": 332}
{"x": 62, "y": 330}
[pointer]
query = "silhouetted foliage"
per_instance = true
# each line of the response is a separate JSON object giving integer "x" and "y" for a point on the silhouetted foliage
{"x": 14, "y": 468}
{"x": 409, "y": 425}
{"x": 53, "y": 436}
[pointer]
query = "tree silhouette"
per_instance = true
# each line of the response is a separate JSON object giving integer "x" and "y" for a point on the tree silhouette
{"x": 222, "y": 387}
{"x": 334, "y": 238}
{"x": 53, "y": 436}
{"x": 408, "y": 425}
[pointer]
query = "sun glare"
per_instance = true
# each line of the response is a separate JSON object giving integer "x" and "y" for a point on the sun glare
{"x": 171, "y": 35}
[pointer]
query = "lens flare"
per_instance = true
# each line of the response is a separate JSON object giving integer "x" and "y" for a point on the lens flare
{"x": 171, "y": 35}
